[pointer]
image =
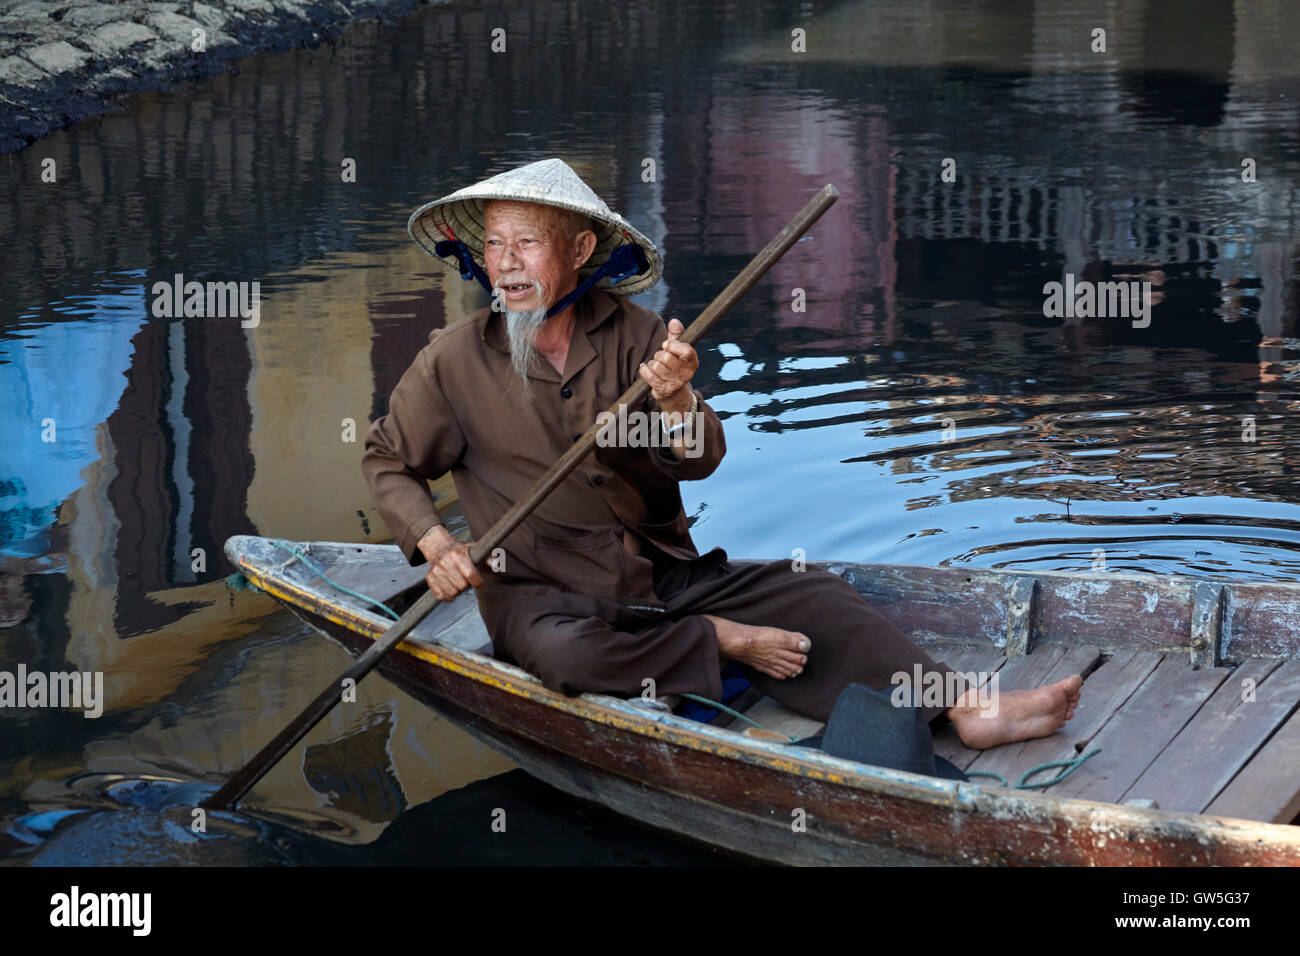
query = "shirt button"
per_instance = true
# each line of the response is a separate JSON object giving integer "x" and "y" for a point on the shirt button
{"x": 598, "y": 480}
{"x": 566, "y": 392}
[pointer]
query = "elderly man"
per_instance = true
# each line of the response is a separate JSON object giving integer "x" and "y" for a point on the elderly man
{"x": 601, "y": 588}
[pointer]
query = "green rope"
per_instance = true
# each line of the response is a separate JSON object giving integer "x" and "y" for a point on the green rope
{"x": 332, "y": 583}
{"x": 1071, "y": 765}
{"x": 237, "y": 582}
{"x": 734, "y": 713}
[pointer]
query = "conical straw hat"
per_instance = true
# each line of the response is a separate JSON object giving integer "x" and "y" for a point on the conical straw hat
{"x": 551, "y": 182}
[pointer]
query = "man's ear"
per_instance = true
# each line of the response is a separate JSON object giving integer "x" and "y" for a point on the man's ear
{"x": 584, "y": 244}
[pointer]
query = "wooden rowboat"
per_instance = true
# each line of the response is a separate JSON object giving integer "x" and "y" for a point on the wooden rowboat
{"x": 1191, "y": 694}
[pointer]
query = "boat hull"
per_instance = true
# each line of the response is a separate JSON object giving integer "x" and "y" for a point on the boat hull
{"x": 764, "y": 802}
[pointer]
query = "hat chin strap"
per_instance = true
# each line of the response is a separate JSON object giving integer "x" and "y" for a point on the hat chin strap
{"x": 624, "y": 262}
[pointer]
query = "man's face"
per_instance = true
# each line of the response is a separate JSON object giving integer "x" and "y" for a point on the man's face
{"x": 524, "y": 244}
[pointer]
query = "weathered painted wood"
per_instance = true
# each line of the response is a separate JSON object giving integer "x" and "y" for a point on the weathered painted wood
{"x": 377, "y": 571}
{"x": 1103, "y": 609}
{"x": 381, "y": 571}
{"x": 375, "y": 576}
{"x": 1021, "y": 593}
{"x": 1222, "y": 737}
{"x": 1135, "y": 736}
{"x": 972, "y": 605}
{"x": 1261, "y": 620}
{"x": 1267, "y": 788}
{"x": 661, "y": 792}
{"x": 1207, "y": 623}
{"x": 957, "y": 605}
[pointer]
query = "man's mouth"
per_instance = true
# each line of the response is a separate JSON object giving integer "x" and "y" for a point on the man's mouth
{"x": 517, "y": 290}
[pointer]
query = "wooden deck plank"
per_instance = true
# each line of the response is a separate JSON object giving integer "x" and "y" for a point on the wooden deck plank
{"x": 965, "y": 658}
{"x": 1221, "y": 738}
{"x": 1268, "y": 787}
{"x": 1016, "y": 674}
{"x": 773, "y": 715}
{"x": 1104, "y": 692}
{"x": 1134, "y": 737}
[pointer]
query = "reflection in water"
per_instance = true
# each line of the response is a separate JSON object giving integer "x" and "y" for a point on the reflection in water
{"x": 920, "y": 408}
{"x": 150, "y": 826}
{"x": 67, "y": 378}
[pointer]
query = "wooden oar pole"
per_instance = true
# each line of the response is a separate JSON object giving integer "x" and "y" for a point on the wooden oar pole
{"x": 313, "y": 713}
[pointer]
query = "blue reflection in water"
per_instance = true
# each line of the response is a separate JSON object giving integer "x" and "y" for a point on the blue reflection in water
{"x": 59, "y": 381}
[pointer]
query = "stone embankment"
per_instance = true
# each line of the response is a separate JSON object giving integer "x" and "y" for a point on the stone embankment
{"x": 61, "y": 62}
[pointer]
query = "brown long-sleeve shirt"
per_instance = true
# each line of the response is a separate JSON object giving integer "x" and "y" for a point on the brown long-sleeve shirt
{"x": 460, "y": 408}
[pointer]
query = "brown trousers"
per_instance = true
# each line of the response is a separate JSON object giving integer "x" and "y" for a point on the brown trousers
{"x": 577, "y": 643}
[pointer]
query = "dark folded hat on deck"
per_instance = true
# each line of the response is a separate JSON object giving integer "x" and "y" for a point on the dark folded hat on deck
{"x": 866, "y": 726}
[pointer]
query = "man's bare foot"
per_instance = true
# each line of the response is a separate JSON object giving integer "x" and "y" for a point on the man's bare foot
{"x": 772, "y": 651}
{"x": 1021, "y": 714}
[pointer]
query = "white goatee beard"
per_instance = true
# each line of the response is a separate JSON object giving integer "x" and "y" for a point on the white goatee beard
{"x": 521, "y": 329}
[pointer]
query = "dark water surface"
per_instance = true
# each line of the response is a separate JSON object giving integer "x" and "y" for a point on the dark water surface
{"x": 1067, "y": 440}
